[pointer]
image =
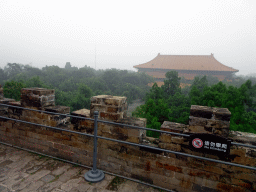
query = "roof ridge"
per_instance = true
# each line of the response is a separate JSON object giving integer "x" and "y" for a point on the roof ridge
{"x": 185, "y": 55}
{"x": 186, "y": 62}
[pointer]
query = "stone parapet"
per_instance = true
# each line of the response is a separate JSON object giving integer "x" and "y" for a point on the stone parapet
{"x": 3, "y": 109}
{"x": 134, "y": 135}
{"x": 209, "y": 120}
{"x": 60, "y": 120}
{"x": 111, "y": 108}
{"x": 78, "y": 124}
{"x": 37, "y": 97}
{"x": 109, "y": 100}
{"x": 210, "y": 126}
{"x": 201, "y": 111}
{"x": 174, "y": 127}
{"x": 210, "y": 112}
{"x": 173, "y": 171}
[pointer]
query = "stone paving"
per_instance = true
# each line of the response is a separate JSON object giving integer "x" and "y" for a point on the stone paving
{"x": 21, "y": 171}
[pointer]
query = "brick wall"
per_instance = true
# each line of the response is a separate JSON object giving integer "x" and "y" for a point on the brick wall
{"x": 164, "y": 169}
{"x": 200, "y": 175}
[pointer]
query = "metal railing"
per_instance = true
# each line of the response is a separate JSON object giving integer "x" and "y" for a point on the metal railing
{"x": 95, "y": 175}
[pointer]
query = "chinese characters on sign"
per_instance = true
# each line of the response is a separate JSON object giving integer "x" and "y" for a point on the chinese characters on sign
{"x": 208, "y": 143}
{"x": 215, "y": 146}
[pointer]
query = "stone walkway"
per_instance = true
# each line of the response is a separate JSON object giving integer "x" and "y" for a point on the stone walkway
{"x": 21, "y": 171}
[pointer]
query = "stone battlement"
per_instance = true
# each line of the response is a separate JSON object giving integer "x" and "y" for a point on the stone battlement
{"x": 168, "y": 170}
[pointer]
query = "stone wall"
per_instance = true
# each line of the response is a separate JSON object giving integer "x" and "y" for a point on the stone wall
{"x": 1, "y": 92}
{"x": 163, "y": 169}
{"x": 200, "y": 175}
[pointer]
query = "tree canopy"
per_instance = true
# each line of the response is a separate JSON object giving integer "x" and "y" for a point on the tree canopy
{"x": 73, "y": 86}
{"x": 169, "y": 103}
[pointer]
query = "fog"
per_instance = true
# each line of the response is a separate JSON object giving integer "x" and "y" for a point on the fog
{"x": 121, "y": 34}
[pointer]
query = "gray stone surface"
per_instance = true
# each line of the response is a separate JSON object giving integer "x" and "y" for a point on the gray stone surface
{"x": 48, "y": 178}
{"x": 4, "y": 189}
{"x": 49, "y": 186}
{"x": 33, "y": 186}
{"x": 15, "y": 180}
{"x": 72, "y": 183}
{"x": 68, "y": 175}
{"x": 30, "y": 179}
{"x": 128, "y": 186}
{"x": 60, "y": 170}
{"x": 21, "y": 171}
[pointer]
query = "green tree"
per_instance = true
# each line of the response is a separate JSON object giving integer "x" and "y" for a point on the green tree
{"x": 179, "y": 106}
{"x": 200, "y": 84}
{"x": 3, "y": 76}
{"x": 36, "y": 82}
{"x": 12, "y": 69}
{"x": 155, "y": 93}
{"x": 82, "y": 98}
{"x": 12, "y": 89}
{"x": 155, "y": 112}
{"x": 171, "y": 84}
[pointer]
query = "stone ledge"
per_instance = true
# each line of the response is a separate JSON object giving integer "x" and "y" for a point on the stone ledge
{"x": 210, "y": 112}
{"x": 174, "y": 127}
{"x": 109, "y": 100}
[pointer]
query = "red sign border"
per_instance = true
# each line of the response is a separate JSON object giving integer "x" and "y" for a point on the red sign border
{"x": 201, "y": 142}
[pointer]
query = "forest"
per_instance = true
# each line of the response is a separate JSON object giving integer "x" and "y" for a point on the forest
{"x": 171, "y": 103}
{"x": 74, "y": 87}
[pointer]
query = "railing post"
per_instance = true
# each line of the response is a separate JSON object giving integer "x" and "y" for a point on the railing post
{"x": 94, "y": 175}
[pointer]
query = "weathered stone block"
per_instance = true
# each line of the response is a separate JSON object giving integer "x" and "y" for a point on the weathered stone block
{"x": 37, "y": 97}
{"x": 5, "y": 101}
{"x": 111, "y": 116}
{"x": 198, "y": 129}
{"x": 1, "y": 93}
{"x": 179, "y": 140}
{"x": 37, "y": 91}
{"x": 85, "y": 126}
{"x": 104, "y": 128}
{"x": 221, "y": 132}
{"x": 197, "y": 121}
{"x": 134, "y": 132}
{"x": 170, "y": 146}
{"x": 165, "y": 138}
{"x": 219, "y": 124}
{"x": 221, "y": 114}
{"x": 173, "y": 127}
{"x": 201, "y": 111}
{"x": 134, "y": 139}
{"x": 172, "y": 168}
{"x": 241, "y": 183}
{"x": 109, "y": 100}
{"x": 106, "y": 108}
{"x": 211, "y": 126}
{"x": 79, "y": 124}
{"x": 58, "y": 109}
{"x": 156, "y": 177}
{"x": 59, "y": 119}
{"x": 82, "y": 113}
{"x": 203, "y": 174}
{"x": 229, "y": 187}
{"x": 110, "y": 108}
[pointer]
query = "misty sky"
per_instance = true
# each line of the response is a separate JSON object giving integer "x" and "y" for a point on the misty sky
{"x": 126, "y": 33}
